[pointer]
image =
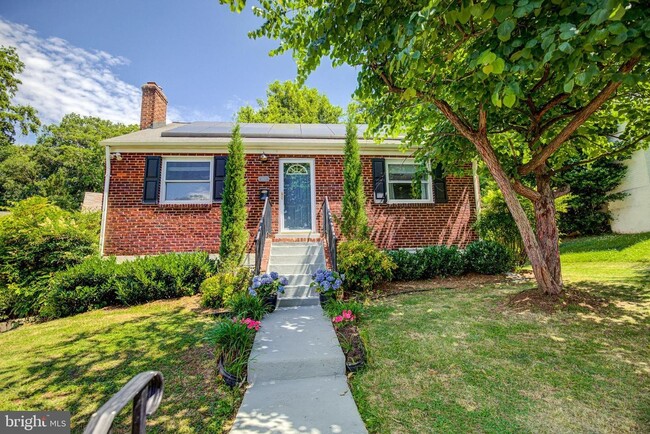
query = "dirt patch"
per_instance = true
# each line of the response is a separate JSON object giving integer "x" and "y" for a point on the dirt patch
{"x": 468, "y": 281}
{"x": 535, "y": 300}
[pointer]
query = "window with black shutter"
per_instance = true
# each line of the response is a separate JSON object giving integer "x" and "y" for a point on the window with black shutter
{"x": 151, "y": 180}
{"x": 440, "y": 185}
{"x": 379, "y": 180}
{"x": 219, "y": 178}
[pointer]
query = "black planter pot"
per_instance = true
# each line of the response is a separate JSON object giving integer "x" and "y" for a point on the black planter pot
{"x": 271, "y": 301}
{"x": 354, "y": 367}
{"x": 228, "y": 378}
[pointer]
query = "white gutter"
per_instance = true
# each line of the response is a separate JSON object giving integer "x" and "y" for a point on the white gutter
{"x": 107, "y": 183}
{"x": 477, "y": 187}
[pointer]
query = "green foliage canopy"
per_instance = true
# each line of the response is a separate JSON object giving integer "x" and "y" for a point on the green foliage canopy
{"x": 288, "y": 102}
{"x": 13, "y": 115}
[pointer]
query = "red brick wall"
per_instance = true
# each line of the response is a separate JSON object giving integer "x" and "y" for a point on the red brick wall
{"x": 133, "y": 228}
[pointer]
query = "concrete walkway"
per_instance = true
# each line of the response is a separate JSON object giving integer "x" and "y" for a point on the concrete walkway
{"x": 297, "y": 376}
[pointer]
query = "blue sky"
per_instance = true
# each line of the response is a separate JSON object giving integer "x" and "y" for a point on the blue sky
{"x": 92, "y": 56}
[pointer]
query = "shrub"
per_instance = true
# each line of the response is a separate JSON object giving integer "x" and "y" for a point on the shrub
{"x": 161, "y": 277}
{"x": 353, "y": 221}
{"x": 268, "y": 285}
{"x": 440, "y": 261}
{"x": 38, "y": 239}
{"x": 89, "y": 285}
{"x": 363, "y": 265}
{"x": 327, "y": 282}
{"x": 487, "y": 257}
{"x": 217, "y": 290}
{"x": 244, "y": 305}
{"x": 408, "y": 265}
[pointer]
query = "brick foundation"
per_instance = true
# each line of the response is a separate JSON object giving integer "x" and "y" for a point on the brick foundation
{"x": 133, "y": 228}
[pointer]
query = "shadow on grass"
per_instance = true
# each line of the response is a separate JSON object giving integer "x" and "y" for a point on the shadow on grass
{"x": 609, "y": 242}
{"x": 81, "y": 372}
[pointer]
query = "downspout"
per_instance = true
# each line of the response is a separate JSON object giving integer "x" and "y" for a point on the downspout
{"x": 477, "y": 187}
{"x": 107, "y": 183}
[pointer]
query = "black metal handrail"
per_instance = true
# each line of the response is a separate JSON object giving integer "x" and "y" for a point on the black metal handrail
{"x": 263, "y": 231}
{"x": 146, "y": 391}
{"x": 330, "y": 235}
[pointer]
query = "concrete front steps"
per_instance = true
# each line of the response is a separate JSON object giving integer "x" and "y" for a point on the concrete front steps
{"x": 297, "y": 261}
{"x": 297, "y": 376}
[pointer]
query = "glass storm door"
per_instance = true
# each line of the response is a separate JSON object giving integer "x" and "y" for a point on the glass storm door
{"x": 297, "y": 195}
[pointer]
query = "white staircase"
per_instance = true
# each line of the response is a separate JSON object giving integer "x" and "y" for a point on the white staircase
{"x": 297, "y": 262}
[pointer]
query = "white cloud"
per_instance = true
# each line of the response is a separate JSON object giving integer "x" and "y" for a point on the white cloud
{"x": 60, "y": 78}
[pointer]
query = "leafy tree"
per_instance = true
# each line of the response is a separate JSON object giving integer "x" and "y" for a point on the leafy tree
{"x": 66, "y": 161}
{"x": 234, "y": 235}
{"x": 288, "y": 102}
{"x": 591, "y": 191}
{"x": 526, "y": 85}
{"x": 12, "y": 115}
{"x": 354, "y": 221}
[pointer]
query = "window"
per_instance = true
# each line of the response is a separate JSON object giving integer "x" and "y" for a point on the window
{"x": 187, "y": 181}
{"x": 401, "y": 188}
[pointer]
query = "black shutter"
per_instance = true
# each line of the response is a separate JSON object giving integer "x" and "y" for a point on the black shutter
{"x": 151, "y": 180}
{"x": 219, "y": 178}
{"x": 379, "y": 180}
{"x": 439, "y": 185}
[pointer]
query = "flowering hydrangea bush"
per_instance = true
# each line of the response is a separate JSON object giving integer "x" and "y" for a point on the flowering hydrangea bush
{"x": 346, "y": 316}
{"x": 327, "y": 281}
{"x": 267, "y": 285}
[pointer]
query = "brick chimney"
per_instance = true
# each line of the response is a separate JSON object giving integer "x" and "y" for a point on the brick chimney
{"x": 154, "y": 106}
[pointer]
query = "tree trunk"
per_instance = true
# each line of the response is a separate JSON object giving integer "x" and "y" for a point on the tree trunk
{"x": 547, "y": 280}
{"x": 546, "y": 228}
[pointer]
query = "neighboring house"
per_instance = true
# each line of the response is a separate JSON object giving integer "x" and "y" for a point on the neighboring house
{"x": 632, "y": 214}
{"x": 164, "y": 186}
{"x": 92, "y": 202}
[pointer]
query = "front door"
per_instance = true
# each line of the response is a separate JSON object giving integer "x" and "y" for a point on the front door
{"x": 296, "y": 195}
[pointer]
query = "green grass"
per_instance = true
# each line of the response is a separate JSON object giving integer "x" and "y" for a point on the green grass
{"x": 457, "y": 361}
{"x": 77, "y": 363}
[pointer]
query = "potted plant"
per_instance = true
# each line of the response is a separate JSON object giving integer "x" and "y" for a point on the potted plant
{"x": 233, "y": 340}
{"x": 267, "y": 287}
{"x": 326, "y": 283}
{"x": 350, "y": 340}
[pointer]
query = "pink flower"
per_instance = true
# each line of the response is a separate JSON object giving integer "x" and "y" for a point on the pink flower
{"x": 251, "y": 323}
{"x": 337, "y": 319}
{"x": 347, "y": 314}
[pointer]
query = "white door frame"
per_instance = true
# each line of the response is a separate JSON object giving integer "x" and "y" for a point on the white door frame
{"x": 312, "y": 163}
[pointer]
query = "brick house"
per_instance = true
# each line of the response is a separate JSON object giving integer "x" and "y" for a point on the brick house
{"x": 164, "y": 185}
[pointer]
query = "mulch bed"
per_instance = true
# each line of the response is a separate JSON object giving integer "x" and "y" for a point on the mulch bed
{"x": 535, "y": 300}
{"x": 467, "y": 281}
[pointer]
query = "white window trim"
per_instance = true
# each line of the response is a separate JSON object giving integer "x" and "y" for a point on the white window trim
{"x": 401, "y": 161}
{"x": 163, "y": 180}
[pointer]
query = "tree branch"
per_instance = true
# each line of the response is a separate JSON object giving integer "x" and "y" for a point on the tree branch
{"x": 524, "y": 191}
{"x": 541, "y": 156}
{"x": 562, "y": 191}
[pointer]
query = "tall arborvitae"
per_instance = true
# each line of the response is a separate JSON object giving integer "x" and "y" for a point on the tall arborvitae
{"x": 354, "y": 222}
{"x": 234, "y": 235}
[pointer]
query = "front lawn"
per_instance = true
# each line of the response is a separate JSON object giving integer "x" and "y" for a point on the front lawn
{"x": 77, "y": 363}
{"x": 460, "y": 360}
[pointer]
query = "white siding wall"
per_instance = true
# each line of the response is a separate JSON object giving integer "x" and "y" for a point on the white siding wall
{"x": 632, "y": 214}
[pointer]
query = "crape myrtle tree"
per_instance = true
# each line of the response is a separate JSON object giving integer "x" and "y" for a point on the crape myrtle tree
{"x": 526, "y": 85}
{"x": 234, "y": 235}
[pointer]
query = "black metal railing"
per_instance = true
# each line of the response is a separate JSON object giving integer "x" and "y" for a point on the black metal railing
{"x": 146, "y": 391}
{"x": 328, "y": 231}
{"x": 263, "y": 231}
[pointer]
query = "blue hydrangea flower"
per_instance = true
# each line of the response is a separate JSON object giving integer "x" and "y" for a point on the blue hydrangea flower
{"x": 281, "y": 289}
{"x": 252, "y": 292}
{"x": 274, "y": 275}
{"x": 284, "y": 281}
